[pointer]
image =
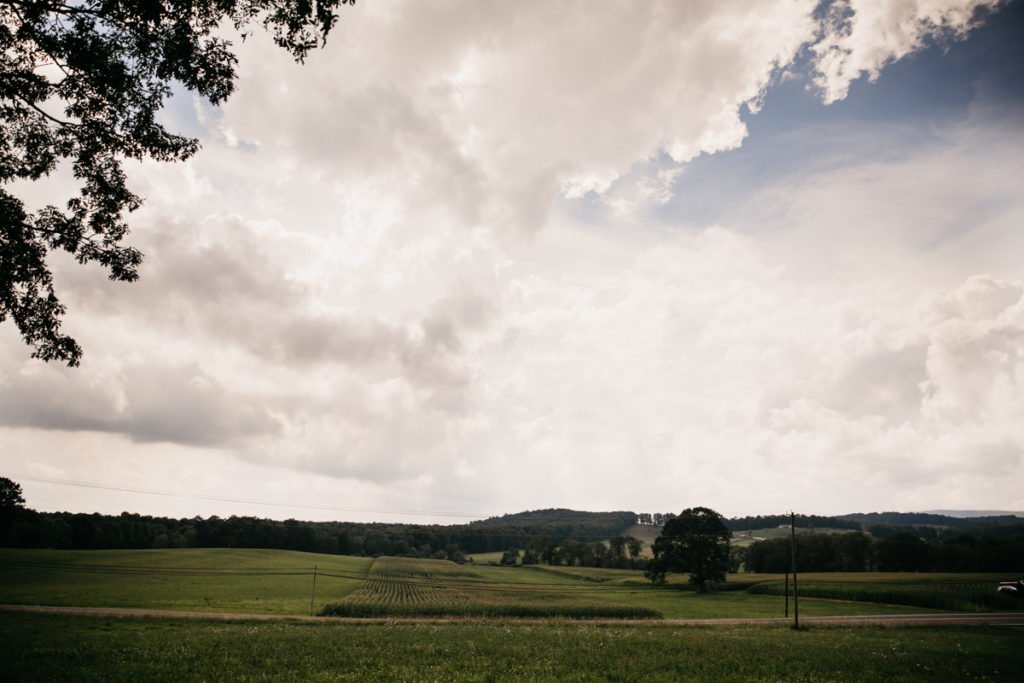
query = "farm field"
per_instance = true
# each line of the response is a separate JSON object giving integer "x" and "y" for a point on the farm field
{"x": 62, "y": 648}
{"x": 280, "y": 582}
{"x": 208, "y": 580}
{"x": 486, "y": 558}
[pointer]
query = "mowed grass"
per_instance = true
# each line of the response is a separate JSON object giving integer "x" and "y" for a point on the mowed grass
{"x": 486, "y": 558}
{"x": 213, "y": 579}
{"x": 60, "y": 648}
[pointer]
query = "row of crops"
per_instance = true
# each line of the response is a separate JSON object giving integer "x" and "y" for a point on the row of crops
{"x": 398, "y": 586}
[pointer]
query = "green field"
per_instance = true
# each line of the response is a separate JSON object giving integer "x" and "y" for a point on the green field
{"x": 486, "y": 558}
{"x": 280, "y": 582}
{"x": 948, "y": 592}
{"x": 60, "y": 648}
{"x": 209, "y": 580}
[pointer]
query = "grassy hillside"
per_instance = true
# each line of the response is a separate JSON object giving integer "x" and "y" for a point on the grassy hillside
{"x": 645, "y": 532}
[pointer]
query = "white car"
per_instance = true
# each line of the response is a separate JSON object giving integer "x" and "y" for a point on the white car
{"x": 1014, "y": 589}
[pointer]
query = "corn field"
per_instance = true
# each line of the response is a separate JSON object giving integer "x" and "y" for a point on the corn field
{"x": 397, "y": 586}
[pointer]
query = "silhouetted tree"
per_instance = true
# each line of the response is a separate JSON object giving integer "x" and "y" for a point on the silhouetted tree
{"x": 696, "y": 543}
{"x": 11, "y": 497}
{"x": 83, "y": 81}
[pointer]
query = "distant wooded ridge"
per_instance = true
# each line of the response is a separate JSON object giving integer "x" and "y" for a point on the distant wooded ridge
{"x": 856, "y": 522}
{"x": 23, "y": 527}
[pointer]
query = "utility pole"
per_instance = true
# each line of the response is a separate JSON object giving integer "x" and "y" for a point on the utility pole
{"x": 796, "y": 598}
{"x": 787, "y": 593}
{"x": 313, "y": 594}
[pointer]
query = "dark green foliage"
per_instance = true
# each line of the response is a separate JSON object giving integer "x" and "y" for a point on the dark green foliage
{"x": 696, "y": 543}
{"x": 843, "y": 552}
{"x": 83, "y": 82}
{"x": 11, "y": 497}
{"x": 983, "y": 548}
{"x": 96, "y": 532}
{"x": 927, "y": 519}
{"x": 560, "y": 522}
{"x": 12, "y": 508}
{"x": 802, "y": 522}
{"x": 903, "y": 551}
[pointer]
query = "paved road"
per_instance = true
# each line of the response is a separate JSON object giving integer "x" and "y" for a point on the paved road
{"x": 929, "y": 619}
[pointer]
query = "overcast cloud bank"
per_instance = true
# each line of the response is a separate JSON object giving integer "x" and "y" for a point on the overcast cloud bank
{"x": 426, "y": 270}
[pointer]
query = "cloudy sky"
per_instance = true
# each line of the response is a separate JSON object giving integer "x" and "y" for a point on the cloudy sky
{"x": 475, "y": 258}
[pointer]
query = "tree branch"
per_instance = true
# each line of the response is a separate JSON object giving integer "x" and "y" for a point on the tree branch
{"x": 44, "y": 114}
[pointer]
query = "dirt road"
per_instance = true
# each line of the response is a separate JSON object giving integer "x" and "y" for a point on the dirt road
{"x": 929, "y": 619}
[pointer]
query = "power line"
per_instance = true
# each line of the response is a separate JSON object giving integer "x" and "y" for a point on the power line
{"x": 249, "y": 501}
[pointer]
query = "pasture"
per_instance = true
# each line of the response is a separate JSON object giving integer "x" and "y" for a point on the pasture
{"x": 281, "y": 582}
{"x": 61, "y": 648}
{"x": 207, "y": 580}
{"x": 57, "y": 647}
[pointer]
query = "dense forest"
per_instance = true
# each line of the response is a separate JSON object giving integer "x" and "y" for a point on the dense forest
{"x": 900, "y": 551}
{"x": 28, "y": 528}
{"x": 921, "y": 519}
{"x": 802, "y": 522}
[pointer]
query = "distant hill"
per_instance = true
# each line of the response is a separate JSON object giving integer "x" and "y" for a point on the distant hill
{"x": 562, "y": 518}
{"x": 966, "y": 514}
{"x": 802, "y": 521}
{"x": 929, "y": 519}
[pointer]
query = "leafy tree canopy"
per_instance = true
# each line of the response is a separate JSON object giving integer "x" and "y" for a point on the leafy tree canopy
{"x": 10, "y": 495}
{"x": 83, "y": 81}
{"x": 696, "y": 543}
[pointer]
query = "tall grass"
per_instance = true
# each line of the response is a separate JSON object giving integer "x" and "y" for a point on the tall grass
{"x": 56, "y": 648}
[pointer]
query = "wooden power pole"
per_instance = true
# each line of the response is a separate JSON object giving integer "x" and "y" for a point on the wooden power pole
{"x": 312, "y": 595}
{"x": 787, "y": 593}
{"x": 796, "y": 599}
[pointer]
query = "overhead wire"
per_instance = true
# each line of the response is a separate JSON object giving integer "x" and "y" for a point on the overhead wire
{"x": 483, "y": 530}
{"x": 247, "y": 501}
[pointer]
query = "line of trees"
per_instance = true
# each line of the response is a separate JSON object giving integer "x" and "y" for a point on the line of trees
{"x": 623, "y": 552}
{"x": 556, "y": 537}
{"x": 900, "y": 551}
{"x": 802, "y": 522}
{"x": 30, "y": 529}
